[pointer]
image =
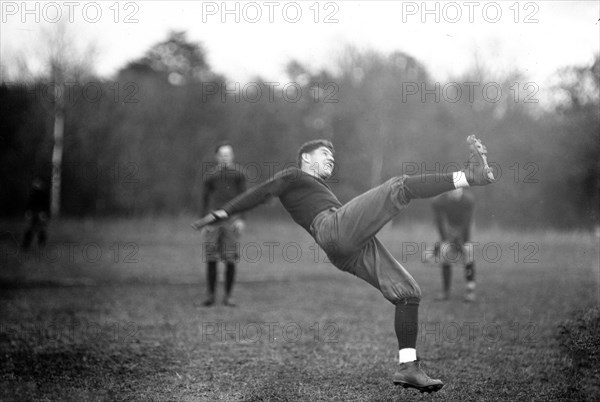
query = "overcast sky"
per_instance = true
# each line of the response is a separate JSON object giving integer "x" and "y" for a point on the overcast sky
{"x": 534, "y": 37}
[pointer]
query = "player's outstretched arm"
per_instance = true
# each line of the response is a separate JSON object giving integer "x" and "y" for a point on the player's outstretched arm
{"x": 249, "y": 199}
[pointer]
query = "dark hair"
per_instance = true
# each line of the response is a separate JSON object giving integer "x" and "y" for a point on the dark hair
{"x": 310, "y": 146}
{"x": 223, "y": 144}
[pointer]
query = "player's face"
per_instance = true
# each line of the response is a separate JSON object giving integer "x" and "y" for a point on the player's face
{"x": 322, "y": 162}
{"x": 225, "y": 155}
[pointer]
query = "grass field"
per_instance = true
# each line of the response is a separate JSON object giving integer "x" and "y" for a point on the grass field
{"x": 110, "y": 310}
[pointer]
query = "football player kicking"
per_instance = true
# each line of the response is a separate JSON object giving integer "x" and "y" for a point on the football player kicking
{"x": 347, "y": 233}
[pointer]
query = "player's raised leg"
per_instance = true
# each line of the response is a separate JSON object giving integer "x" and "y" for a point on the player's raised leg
{"x": 357, "y": 221}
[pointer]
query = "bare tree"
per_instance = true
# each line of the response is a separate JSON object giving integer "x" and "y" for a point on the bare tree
{"x": 65, "y": 63}
{"x": 58, "y": 136}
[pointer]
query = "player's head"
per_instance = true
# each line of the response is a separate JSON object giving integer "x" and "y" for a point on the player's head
{"x": 224, "y": 153}
{"x": 316, "y": 157}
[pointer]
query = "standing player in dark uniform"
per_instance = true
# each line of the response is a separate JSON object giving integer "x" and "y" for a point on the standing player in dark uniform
{"x": 221, "y": 184}
{"x": 453, "y": 213}
{"x": 347, "y": 233}
{"x": 37, "y": 213}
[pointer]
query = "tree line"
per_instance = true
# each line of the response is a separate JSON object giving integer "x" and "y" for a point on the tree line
{"x": 139, "y": 142}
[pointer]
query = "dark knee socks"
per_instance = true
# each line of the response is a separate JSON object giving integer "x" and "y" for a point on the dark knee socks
{"x": 229, "y": 277}
{"x": 27, "y": 239}
{"x": 470, "y": 272}
{"x": 429, "y": 185}
{"x": 42, "y": 238}
{"x": 406, "y": 323}
{"x": 211, "y": 277}
{"x": 446, "y": 277}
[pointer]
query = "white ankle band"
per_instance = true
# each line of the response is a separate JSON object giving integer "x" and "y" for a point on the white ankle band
{"x": 407, "y": 355}
{"x": 460, "y": 179}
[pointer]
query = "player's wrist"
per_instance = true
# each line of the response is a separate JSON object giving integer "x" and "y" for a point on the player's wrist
{"x": 219, "y": 214}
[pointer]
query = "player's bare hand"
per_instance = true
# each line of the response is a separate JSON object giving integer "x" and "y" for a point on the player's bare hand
{"x": 206, "y": 229}
{"x": 239, "y": 225}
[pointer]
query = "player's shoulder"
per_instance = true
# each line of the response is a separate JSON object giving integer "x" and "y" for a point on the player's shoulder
{"x": 290, "y": 173}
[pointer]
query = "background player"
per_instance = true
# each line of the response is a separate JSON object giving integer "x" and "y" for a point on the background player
{"x": 347, "y": 232}
{"x": 37, "y": 213}
{"x": 453, "y": 213}
{"x": 220, "y": 185}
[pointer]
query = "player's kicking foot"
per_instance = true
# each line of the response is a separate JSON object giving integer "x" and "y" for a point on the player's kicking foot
{"x": 410, "y": 375}
{"x": 478, "y": 171}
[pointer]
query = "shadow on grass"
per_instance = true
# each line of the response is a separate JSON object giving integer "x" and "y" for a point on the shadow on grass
{"x": 85, "y": 372}
{"x": 580, "y": 339}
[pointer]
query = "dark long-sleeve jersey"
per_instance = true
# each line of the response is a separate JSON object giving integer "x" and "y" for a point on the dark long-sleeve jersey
{"x": 453, "y": 216}
{"x": 300, "y": 193}
{"x": 221, "y": 185}
{"x": 39, "y": 201}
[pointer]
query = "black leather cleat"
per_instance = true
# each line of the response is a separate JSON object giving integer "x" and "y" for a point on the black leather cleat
{"x": 478, "y": 171}
{"x": 208, "y": 302}
{"x": 410, "y": 375}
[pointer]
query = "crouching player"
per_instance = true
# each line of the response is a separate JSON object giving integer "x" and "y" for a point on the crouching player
{"x": 453, "y": 213}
